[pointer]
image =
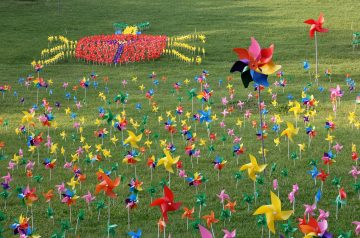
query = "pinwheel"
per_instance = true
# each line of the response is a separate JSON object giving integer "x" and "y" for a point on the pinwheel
{"x": 188, "y": 214}
{"x": 289, "y": 132}
{"x": 238, "y": 150}
{"x": 28, "y": 196}
{"x": 273, "y": 212}
{"x": 48, "y": 196}
{"x": 134, "y": 234}
{"x": 354, "y": 173}
{"x": 21, "y": 227}
{"x": 296, "y": 109}
{"x": 69, "y": 197}
{"x": 314, "y": 228}
{"x": 357, "y": 228}
{"x": 133, "y": 139}
{"x": 219, "y": 164}
{"x": 316, "y": 26}
{"x": 135, "y": 185}
{"x": 311, "y": 132}
{"x": 131, "y": 203}
{"x": 88, "y": 199}
{"x": 255, "y": 64}
{"x": 253, "y": 168}
{"x": 322, "y": 176}
{"x": 329, "y": 159}
{"x": 340, "y": 200}
{"x": 210, "y": 219}
{"x": 107, "y": 185}
{"x": 168, "y": 161}
{"x": 151, "y": 163}
{"x": 292, "y": 194}
{"x": 314, "y": 173}
{"x": 49, "y": 164}
{"x": 200, "y": 200}
{"x": 166, "y": 203}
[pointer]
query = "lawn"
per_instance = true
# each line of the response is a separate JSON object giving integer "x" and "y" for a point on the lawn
{"x": 26, "y": 26}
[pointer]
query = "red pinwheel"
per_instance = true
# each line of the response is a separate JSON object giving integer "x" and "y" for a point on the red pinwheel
{"x": 166, "y": 203}
{"x": 107, "y": 185}
{"x": 316, "y": 26}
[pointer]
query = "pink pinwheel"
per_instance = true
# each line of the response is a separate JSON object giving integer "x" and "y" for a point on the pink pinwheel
{"x": 357, "y": 228}
{"x": 68, "y": 165}
{"x": 231, "y": 132}
{"x": 337, "y": 147}
{"x": 88, "y": 198}
{"x": 205, "y": 233}
{"x": 309, "y": 209}
{"x": 354, "y": 172}
{"x": 11, "y": 165}
{"x": 247, "y": 114}
{"x": 291, "y": 196}
{"x": 336, "y": 92}
{"x": 21, "y": 152}
{"x": 237, "y": 140}
{"x": 30, "y": 165}
{"x": 182, "y": 173}
{"x": 224, "y": 101}
{"x": 60, "y": 188}
{"x": 275, "y": 184}
{"x": 223, "y": 196}
{"x": 7, "y": 178}
{"x": 240, "y": 104}
{"x": 65, "y": 85}
{"x": 228, "y": 234}
{"x": 323, "y": 215}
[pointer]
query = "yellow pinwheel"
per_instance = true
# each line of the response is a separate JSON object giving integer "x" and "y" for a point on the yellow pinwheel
{"x": 296, "y": 109}
{"x": 253, "y": 168}
{"x": 28, "y": 117}
{"x": 168, "y": 161}
{"x": 133, "y": 139}
{"x": 290, "y": 131}
{"x": 273, "y": 212}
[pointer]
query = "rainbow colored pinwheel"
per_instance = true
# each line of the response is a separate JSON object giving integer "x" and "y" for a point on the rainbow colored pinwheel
{"x": 273, "y": 212}
{"x": 255, "y": 64}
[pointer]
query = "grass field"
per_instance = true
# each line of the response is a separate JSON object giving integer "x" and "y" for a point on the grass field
{"x": 227, "y": 24}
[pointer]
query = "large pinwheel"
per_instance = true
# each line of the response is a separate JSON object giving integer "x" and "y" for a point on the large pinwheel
{"x": 107, "y": 185}
{"x": 255, "y": 64}
{"x": 166, "y": 203}
{"x": 273, "y": 212}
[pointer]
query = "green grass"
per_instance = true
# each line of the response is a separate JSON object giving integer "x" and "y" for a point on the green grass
{"x": 227, "y": 24}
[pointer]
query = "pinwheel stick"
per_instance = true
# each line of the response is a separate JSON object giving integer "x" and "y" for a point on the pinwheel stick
{"x": 108, "y": 235}
{"x": 70, "y": 213}
{"x": 128, "y": 213}
{"x": 261, "y": 124}
{"x": 316, "y": 61}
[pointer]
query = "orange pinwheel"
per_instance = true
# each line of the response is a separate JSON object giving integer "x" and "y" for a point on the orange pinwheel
{"x": 210, "y": 219}
{"x": 188, "y": 213}
{"x": 107, "y": 185}
{"x": 231, "y": 206}
{"x": 48, "y": 195}
{"x": 316, "y": 26}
